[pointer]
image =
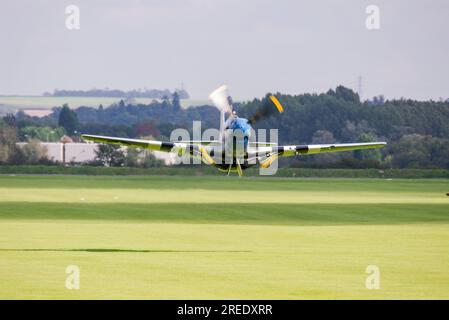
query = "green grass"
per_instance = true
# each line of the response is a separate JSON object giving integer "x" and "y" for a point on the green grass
{"x": 215, "y": 237}
{"x": 204, "y": 170}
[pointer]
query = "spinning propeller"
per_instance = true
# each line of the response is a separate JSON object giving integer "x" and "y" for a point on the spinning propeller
{"x": 270, "y": 105}
{"x": 223, "y": 101}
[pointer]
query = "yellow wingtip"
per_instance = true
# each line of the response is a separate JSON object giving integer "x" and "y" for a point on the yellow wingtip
{"x": 277, "y": 103}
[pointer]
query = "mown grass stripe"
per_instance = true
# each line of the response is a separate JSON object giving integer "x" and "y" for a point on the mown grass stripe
{"x": 250, "y": 213}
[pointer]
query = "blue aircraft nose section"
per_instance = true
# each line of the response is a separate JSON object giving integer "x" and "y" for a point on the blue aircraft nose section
{"x": 241, "y": 124}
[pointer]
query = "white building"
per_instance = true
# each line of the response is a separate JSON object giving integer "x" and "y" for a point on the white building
{"x": 76, "y": 152}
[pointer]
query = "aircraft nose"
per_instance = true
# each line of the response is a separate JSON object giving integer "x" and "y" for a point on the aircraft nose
{"x": 243, "y": 131}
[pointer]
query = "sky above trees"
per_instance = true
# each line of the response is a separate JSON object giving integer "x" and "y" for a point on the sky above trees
{"x": 255, "y": 46}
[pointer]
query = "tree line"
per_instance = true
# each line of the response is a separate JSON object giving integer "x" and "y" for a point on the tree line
{"x": 417, "y": 132}
{"x": 115, "y": 93}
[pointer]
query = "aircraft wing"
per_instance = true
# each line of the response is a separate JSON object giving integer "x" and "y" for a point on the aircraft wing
{"x": 166, "y": 146}
{"x": 266, "y": 155}
{"x": 285, "y": 151}
{"x": 194, "y": 148}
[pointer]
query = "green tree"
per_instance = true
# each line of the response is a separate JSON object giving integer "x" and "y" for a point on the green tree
{"x": 8, "y": 139}
{"x": 110, "y": 155}
{"x": 176, "y": 102}
{"x": 417, "y": 151}
{"x": 165, "y": 101}
{"x": 10, "y": 119}
{"x": 132, "y": 157}
{"x": 41, "y": 133}
{"x": 34, "y": 152}
{"x": 149, "y": 160}
{"x": 373, "y": 154}
{"x": 68, "y": 120}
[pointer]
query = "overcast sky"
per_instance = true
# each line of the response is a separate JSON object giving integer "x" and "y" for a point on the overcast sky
{"x": 254, "y": 46}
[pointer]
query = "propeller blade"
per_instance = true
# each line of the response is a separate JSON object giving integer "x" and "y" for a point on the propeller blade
{"x": 205, "y": 157}
{"x": 266, "y": 109}
{"x": 221, "y": 99}
{"x": 277, "y": 103}
{"x": 267, "y": 162}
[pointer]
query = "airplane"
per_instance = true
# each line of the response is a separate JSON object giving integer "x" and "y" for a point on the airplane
{"x": 234, "y": 150}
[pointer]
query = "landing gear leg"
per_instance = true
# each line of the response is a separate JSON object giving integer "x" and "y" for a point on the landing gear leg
{"x": 239, "y": 168}
{"x": 229, "y": 169}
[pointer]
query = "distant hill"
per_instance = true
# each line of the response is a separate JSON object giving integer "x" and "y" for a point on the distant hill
{"x": 115, "y": 93}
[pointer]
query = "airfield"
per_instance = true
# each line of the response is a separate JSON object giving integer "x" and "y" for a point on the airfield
{"x": 159, "y": 237}
{"x": 12, "y": 104}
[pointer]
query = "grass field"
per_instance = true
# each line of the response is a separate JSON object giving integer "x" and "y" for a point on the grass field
{"x": 223, "y": 237}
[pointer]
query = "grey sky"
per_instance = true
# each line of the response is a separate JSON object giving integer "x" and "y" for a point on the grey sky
{"x": 254, "y": 46}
